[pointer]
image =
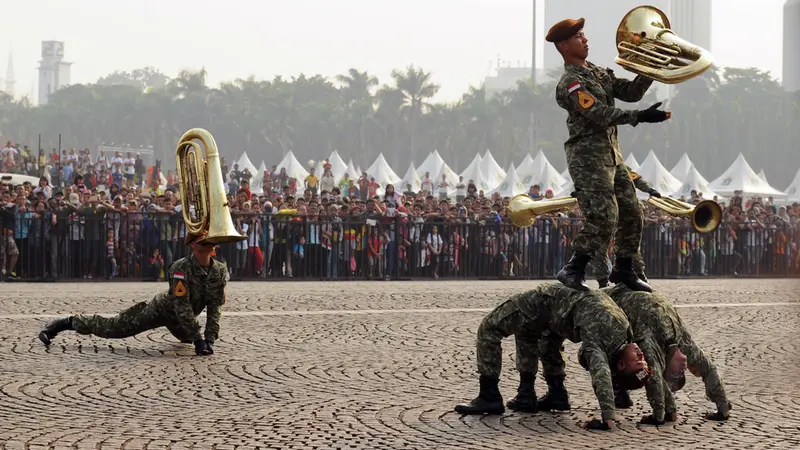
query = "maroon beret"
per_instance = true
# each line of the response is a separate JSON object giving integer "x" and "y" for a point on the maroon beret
{"x": 564, "y": 30}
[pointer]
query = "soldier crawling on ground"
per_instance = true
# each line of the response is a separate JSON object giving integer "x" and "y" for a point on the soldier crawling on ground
{"x": 196, "y": 282}
{"x": 559, "y": 312}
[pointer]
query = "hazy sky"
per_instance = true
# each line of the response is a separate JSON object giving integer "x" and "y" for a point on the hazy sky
{"x": 454, "y": 39}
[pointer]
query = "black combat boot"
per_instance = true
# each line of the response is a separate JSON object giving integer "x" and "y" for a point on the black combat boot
{"x": 642, "y": 276}
{"x": 53, "y": 328}
{"x": 623, "y": 273}
{"x": 602, "y": 282}
{"x": 525, "y": 401}
{"x": 489, "y": 400}
{"x": 572, "y": 275}
{"x": 622, "y": 399}
{"x": 557, "y": 398}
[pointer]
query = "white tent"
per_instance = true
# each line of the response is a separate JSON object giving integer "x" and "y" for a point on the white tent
{"x": 351, "y": 172}
{"x": 565, "y": 175}
{"x": 245, "y": 163}
{"x": 411, "y": 177}
{"x": 565, "y": 189}
{"x": 741, "y": 177}
{"x": 382, "y": 172}
{"x": 511, "y": 184}
{"x": 681, "y": 170}
{"x": 694, "y": 181}
{"x": 657, "y": 176}
{"x": 293, "y": 168}
{"x": 543, "y": 174}
{"x": 526, "y": 166}
{"x": 474, "y": 174}
{"x": 793, "y": 191}
{"x": 494, "y": 173}
{"x": 632, "y": 162}
{"x": 432, "y": 164}
{"x": 450, "y": 176}
{"x": 338, "y": 166}
{"x": 763, "y": 175}
{"x": 258, "y": 178}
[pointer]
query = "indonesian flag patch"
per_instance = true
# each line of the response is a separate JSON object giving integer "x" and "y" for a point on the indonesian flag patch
{"x": 573, "y": 87}
{"x": 178, "y": 276}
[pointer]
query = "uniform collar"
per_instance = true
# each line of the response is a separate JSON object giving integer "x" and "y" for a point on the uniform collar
{"x": 587, "y": 69}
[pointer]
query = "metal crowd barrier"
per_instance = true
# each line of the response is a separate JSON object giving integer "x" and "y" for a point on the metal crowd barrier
{"x": 140, "y": 246}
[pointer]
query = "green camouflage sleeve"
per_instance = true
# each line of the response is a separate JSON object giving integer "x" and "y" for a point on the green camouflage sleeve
{"x": 639, "y": 182}
{"x": 669, "y": 400}
{"x": 655, "y": 388}
{"x": 179, "y": 287}
{"x": 597, "y": 365}
{"x": 599, "y": 112}
{"x": 630, "y": 91}
{"x": 214, "y": 310}
{"x": 700, "y": 365}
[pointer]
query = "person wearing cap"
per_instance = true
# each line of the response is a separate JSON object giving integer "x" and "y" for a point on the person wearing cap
{"x": 545, "y": 316}
{"x": 196, "y": 282}
{"x": 599, "y": 263}
{"x": 603, "y": 185}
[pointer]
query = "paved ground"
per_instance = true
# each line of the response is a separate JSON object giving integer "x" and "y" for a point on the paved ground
{"x": 372, "y": 365}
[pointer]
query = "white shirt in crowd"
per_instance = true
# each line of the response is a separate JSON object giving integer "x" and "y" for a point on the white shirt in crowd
{"x": 129, "y": 165}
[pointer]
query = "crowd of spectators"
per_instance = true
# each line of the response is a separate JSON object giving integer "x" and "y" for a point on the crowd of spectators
{"x": 98, "y": 218}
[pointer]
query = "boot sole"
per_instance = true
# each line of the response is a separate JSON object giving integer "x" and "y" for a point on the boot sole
{"x": 579, "y": 287}
{"x": 491, "y": 412}
{"x": 44, "y": 338}
{"x": 524, "y": 409}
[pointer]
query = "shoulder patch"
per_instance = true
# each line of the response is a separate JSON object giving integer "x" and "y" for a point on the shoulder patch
{"x": 179, "y": 275}
{"x": 574, "y": 87}
{"x": 180, "y": 289}
{"x": 585, "y": 99}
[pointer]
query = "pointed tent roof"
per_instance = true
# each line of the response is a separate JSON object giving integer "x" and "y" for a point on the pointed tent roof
{"x": 681, "y": 170}
{"x": 474, "y": 173}
{"x": 411, "y": 177}
{"x": 511, "y": 184}
{"x": 432, "y": 164}
{"x": 543, "y": 173}
{"x": 382, "y": 172}
{"x": 695, "y": 181}
{"x": 293, "y": 167}
{"x": 657, "y": 175}
{"x": 338, "y": 167}
{"x": 258, "y": 177}
{"x": 763, "y": 175}
{"x": 351, "y": 171}
{"x": 245, "y": 163}
{"x": 525, "y": 164}
{"x": 632, "y": 162}
{"x": 741, "y": 177}
{"x": 793, "y": 191}
{"x": 565, "y": 174}
{"x": 494, "y": 173}
{"x": 451, "y": 176}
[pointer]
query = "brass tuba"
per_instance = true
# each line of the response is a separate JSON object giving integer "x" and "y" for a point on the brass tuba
{"x": 203, "y": 188}
{"x": 647, "y": 46}
{"x": 522, "y": 210}
{"x": 705, "y": 216}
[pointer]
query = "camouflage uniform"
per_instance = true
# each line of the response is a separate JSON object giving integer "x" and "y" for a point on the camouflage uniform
{"x": 656, "y": 326}
{"x": 562, "y": 313}
{"x": 599, "y": 263}
{"x": 192, "y": 288}
{"x": 604, "y": 189}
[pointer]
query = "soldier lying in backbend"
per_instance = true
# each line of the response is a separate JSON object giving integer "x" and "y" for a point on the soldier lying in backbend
{"x": 668, "y": 349}
{"x": 590, "y": 318}
{"x": 196, "y": 282}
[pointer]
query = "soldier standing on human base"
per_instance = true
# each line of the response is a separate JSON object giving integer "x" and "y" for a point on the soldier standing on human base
{"x": 605, "y": 192}
{"x": 196, "y": 282}
{"x": 599, "y": 263}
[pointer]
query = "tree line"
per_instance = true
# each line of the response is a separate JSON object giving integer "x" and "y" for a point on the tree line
{"x": 723, "y": 112}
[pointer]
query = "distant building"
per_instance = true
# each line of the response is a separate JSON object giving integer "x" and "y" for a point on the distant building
{"x": 10, "y": 76}
{"x": 691, "y": 20}
{"x": 791, "y": 45}
{"x": 54, "y": 72}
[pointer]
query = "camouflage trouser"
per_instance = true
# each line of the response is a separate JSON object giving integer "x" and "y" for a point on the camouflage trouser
{"x": 607, "y": 198}
{"x": 138, "y": 318}
{"x": 501, "y": 323}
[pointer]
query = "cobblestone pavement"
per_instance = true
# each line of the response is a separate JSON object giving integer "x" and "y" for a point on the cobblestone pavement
{"x": 375, "y": 365}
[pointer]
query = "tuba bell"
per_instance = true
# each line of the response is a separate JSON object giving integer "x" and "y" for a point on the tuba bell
{"x": 647, "y": 46}
{"x": 522, "y": 210}
{"x": 704, "y": 216}
{"x": 202, "y": 188}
